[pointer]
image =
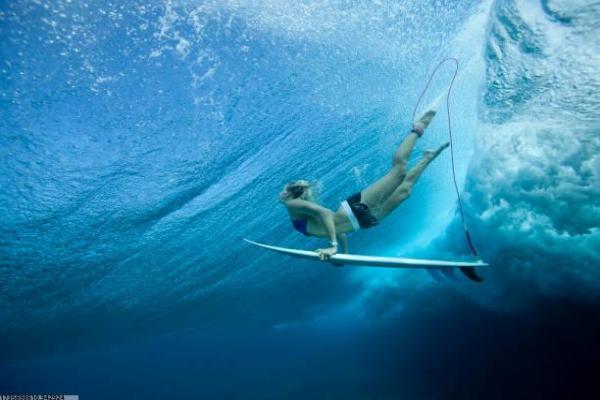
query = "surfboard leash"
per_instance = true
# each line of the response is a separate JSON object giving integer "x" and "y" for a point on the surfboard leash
{"x": 468, "y": 271}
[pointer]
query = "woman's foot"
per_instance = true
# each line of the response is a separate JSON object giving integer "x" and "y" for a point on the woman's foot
{"x": 423, "y": 122}
{"x": 431, "y": 154}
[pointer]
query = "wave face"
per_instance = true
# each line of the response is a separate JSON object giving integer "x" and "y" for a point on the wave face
{"x": 139, "y": 144}
{"x": 534, "y": 184}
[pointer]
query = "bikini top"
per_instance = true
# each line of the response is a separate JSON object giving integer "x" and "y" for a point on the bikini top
{"x": 301, "y": 225}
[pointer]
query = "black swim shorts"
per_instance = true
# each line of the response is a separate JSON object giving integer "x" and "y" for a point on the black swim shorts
{"x": 363, "y": 214}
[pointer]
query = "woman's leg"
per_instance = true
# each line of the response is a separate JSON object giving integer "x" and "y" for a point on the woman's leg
{"x": 402, "y": 192}
{"x": 401, "y": 155}
{"x": 376, "y": 193}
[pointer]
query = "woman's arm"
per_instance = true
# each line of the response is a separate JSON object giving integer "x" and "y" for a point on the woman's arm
{"x": 326, "y": 217}
{"x": 343, "y": 241}
{"x": 328, "y": 222}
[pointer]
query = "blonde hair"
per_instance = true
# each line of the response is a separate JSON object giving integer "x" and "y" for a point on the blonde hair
{"x": 299, "y": 189}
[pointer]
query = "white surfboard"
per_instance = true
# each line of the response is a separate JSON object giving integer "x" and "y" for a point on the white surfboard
{"x": 371, "y": 261}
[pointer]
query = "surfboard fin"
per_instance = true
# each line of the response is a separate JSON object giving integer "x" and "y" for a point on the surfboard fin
{"x": 470, "y": 273}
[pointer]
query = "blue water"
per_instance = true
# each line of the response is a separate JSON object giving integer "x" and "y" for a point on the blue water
{"x": 140, "y": 141}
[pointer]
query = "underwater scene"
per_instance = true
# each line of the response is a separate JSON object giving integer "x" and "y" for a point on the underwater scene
{"x": 142, "y": 141}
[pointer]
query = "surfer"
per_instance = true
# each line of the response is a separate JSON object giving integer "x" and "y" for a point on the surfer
{"x": 365, "y": 208}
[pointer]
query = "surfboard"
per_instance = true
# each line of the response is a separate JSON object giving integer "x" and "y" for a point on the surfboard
{"x": 371, "y": 261}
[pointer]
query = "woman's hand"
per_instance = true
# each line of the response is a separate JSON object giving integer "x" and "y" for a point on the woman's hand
{"x": 325, "y": 254}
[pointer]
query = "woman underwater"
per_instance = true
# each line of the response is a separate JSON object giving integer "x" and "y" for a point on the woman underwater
{"x": 363, "y": 209}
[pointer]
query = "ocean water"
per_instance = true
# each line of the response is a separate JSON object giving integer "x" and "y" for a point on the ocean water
{"x": 140, "y": 141}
